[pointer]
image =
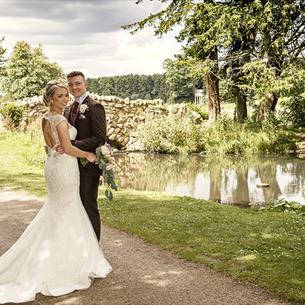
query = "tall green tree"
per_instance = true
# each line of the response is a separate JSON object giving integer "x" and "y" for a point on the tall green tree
{"x": 160, "y": 89}
{"x": 219, "y": 37}
{"x": 204, "y": 52}
{"x": 28, "y": 70}
{"x": 178, "y": 80}
{"x": 2, "y": 59}
{"x": 234, "y": 39}
{"x": 179, "y": 12}
{"x": 282, "y": 39}
{"x": 273, "y": 33}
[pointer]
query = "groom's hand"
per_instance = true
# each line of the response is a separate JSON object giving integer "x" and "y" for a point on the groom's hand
{"x": 58, "y": 148}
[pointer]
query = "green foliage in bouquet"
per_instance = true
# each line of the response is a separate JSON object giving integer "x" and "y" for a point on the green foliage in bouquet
{"x": 105, "y": 161}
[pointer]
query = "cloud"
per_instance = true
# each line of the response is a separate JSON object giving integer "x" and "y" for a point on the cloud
{"x": 87, "y": 35}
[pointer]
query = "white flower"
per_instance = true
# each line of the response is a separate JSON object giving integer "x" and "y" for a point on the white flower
{"x": 109, "y": 167}
{"x": 106, "y": 151}
{"x": 83, "y": 108}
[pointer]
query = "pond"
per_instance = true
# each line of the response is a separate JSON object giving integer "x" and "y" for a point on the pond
{"x": 228, "y": 180}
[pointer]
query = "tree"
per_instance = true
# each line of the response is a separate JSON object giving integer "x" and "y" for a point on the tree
{"x": 178, "y": 12}
{"x": 279, "y": 41}
{"x": 283, "y": 39}
{"x": 219, "y": 37}
{"x": 2, "y": 59}
{"x": 228, "y": 38}
{"x": 203, "y": 52}
{"x": 160, "y": 89}
{"x": 28, "y": 70}
{"x": 209, "y": 29}
{"x": 178, "y": 80}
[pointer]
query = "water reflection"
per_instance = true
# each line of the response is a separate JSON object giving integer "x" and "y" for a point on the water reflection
{"x": 230, "y": 180}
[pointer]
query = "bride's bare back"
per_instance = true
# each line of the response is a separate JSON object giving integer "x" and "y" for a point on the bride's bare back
{"x": 48, "y": 133}
{"x": 49, "y": 127}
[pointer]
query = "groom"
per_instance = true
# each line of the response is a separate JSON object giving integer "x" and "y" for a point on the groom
{"x": 88, "y": 117}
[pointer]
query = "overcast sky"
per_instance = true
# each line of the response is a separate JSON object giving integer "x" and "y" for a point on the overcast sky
{"x": 86, "y": 35}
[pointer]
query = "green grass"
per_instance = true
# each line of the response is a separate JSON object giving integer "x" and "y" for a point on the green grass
{"x": 266, "y": 248}
{"x": 225, "y": 108}
{"x": 21, "y": 162}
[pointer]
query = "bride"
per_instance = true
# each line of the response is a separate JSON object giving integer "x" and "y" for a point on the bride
{"x": 58, "y": 252}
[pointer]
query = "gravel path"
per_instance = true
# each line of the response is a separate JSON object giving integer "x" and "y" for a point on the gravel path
{"x": 143, "y": 274}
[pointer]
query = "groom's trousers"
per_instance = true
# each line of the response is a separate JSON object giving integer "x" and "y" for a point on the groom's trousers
{"x": 88, "y": 193}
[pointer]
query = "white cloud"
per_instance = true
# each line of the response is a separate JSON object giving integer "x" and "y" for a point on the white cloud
{"x": 86, "y": 35}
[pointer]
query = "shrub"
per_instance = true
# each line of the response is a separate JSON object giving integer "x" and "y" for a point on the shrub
{"x": 226, "y": 137}
{"x": 171, "y": 135}
{"x": 180, "y": 135}
{"x": 293, "y": 110}
{"x": 292, "y": 97}
{"x": 281, "y": 205}
{"x": 199, "y": 109}
{"x": 12, "y": 115}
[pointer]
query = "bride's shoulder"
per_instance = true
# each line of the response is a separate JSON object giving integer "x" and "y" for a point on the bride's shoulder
{"x": 60, "y": 116}
{"x": 57, "y": 118}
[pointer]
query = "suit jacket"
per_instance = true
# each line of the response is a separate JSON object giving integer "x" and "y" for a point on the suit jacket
{"x": 91, "y": 131}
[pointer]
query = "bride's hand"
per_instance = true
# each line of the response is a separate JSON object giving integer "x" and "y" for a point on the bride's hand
{"x": 91, "y": 157}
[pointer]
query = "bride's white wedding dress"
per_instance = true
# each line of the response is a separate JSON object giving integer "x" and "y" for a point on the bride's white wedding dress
{"x": 58, "y": 252}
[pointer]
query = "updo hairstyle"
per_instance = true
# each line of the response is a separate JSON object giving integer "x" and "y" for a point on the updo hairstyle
{"x": 50, "y": 90}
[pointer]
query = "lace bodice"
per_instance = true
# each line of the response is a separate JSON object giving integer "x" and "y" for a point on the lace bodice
{"x": 54, "y": 120}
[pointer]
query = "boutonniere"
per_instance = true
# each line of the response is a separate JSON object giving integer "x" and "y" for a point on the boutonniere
{"x": 82, "y": 109}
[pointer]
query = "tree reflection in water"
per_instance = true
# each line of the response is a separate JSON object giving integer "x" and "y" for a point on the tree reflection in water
{"x": 229, "y": 180}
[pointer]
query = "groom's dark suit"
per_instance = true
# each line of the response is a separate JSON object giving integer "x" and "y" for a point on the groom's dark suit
{"x": 91, "y": 132}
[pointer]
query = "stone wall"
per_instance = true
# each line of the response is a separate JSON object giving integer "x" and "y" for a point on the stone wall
{"x": 123, "y": 116}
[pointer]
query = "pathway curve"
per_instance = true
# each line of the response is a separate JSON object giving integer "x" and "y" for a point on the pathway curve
{"x": 143, "y": 274}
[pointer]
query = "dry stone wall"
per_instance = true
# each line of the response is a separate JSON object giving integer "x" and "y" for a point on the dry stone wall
{"x": 123, "y": 116}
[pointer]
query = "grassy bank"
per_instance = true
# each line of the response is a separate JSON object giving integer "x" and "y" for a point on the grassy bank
{"x": 266, "y": 248}
{"x": 172, "y": 135}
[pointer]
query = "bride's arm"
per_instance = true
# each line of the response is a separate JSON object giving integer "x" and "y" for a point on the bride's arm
{"x": 64, "y": 138}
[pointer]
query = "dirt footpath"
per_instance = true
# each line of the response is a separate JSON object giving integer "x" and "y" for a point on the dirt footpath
{"x": 143, "y": 274}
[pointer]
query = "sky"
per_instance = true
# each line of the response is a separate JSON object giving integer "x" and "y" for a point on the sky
{"x": 86, "y": 35}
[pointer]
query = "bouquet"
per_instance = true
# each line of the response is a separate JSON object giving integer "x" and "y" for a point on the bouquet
{"x": 106, "y": 162}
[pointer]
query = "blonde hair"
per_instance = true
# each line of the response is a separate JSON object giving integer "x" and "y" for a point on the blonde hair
{"x": 50, "y": 90}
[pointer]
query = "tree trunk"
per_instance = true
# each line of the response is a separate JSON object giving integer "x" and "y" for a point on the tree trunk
{"x": 212, "y": 89}
{"x": 239, "y": 54}
{"x": 269, "y": 103}
{"x": 240, "y": 104}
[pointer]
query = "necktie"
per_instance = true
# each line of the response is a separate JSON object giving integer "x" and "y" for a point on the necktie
{"x": 73, "y": 113}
